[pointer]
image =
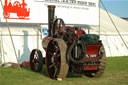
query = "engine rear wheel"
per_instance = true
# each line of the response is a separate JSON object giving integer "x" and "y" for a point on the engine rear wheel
{"x": 36, "y": 60}
{"x": 101, "y": 66}
{"x": 56, "y": 65}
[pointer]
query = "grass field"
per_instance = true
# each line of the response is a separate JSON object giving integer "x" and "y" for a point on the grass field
{"x": 116, "y": 73}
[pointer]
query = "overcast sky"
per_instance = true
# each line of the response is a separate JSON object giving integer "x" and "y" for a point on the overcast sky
{"x": 117, "y": 7}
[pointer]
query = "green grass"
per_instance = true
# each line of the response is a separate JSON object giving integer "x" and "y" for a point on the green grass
{"x": 116, "y": 73}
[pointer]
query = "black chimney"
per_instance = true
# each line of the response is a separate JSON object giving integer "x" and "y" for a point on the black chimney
{"x": 51, "y": 10}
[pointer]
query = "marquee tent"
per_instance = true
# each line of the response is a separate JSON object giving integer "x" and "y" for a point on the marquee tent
{"x": 28, "y": 36}
{"x": 112, "y": 41}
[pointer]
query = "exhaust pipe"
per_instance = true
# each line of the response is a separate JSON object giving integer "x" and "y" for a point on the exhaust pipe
{"x": 51, "y": 10}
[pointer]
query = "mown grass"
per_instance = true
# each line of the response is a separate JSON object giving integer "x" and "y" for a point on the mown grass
{"x": 116, "y": 73}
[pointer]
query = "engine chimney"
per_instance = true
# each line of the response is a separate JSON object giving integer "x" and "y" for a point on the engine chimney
{"x": 51, "y": 10}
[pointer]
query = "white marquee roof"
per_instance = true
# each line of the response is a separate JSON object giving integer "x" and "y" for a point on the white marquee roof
{"x": 107, "y": 27}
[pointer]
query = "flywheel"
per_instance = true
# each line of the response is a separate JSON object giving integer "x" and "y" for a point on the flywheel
{"x": 56, "y": 65}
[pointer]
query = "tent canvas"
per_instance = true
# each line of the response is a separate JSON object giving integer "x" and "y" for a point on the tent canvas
{"x": 25, "y": 39}
{"x": 112, "y": 41}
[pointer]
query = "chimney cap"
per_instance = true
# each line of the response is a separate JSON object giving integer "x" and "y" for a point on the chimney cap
{"x": 51, "y": 7}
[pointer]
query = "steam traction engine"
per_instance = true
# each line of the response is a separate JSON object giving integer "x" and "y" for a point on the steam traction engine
{"x": 69, "y": 49}
{"x": 16, "y": 7}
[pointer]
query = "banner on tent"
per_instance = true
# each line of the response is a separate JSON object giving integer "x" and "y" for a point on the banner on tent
{"x": 36, "y": 11}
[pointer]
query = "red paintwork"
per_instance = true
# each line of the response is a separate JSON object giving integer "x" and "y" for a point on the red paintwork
{"x": 80, "y": 32}
{"x": 90, "y": 68}
{"x": 47, "y": 38}
{"x": 71, "y": 28}
{"x": 26, "y": 64}
{"x": 16, "y": 7}
{"x": 91, "y": 50}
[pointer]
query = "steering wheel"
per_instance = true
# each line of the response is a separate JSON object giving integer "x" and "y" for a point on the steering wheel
{"x": 58, "y": 28}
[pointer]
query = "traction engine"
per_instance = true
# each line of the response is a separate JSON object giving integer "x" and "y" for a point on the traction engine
{"x": 69, "y": 49}
{"x": 17, "y": 7}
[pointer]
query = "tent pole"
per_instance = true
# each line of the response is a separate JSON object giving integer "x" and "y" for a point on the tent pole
{"x": 109, "y": 46}
{"x": 114, "y": 25}
{"x": 10, "y": 33}
{"x": 37, "y": 39}
{"x": 1, "y": 41}
{"x": 38, "y": 36}
{"x": 99, "y": 17}
{"x": 2, "y": 50}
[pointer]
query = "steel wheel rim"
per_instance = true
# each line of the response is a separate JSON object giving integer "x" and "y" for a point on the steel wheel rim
{"x": 59, "y": 67}
{"x": 36, "y": 61}
{"x": 53, "y": 61}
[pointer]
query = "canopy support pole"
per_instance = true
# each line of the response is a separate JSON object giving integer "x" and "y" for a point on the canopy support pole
{"x": 99, "y": 18}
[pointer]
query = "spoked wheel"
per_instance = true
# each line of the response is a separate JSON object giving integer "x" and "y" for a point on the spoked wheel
{"x": 58, "y": 28}
{"x": 56, "y": 65}
{"x": 36, "y": 60}
{"x": 101, "y": 66}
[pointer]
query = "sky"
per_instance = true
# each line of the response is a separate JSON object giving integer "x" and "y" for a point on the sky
{"x": 117, "y": 7}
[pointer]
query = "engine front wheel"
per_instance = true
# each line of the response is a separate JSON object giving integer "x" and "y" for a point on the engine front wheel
{"x": 36, "y": 60}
